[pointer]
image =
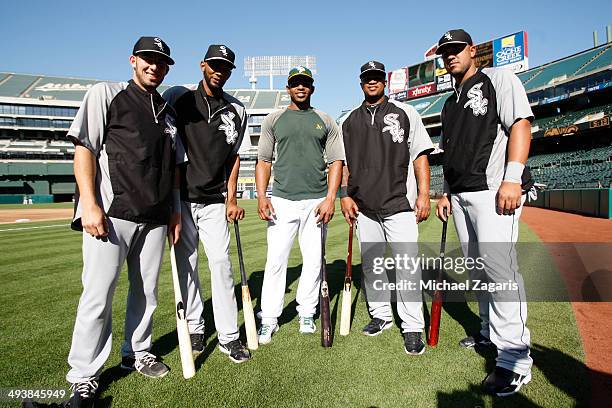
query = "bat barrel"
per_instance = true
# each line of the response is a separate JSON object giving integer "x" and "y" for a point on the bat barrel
{"x": 326, "y": 337}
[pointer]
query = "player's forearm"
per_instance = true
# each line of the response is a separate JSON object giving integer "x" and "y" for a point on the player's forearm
{"x": 232, "y": 181}
{"x": 519, "y": 142}
{"x": 518, "y": 150}
{"x": 85, "y": 175}
{"x": 421, "y": 172}
{"x": 334, "y": 177}
{"x": 263, "y": 170}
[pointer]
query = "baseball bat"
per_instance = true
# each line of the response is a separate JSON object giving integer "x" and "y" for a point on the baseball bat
{"x": 182, "y": 330}
{"x": 436, "y": 305}
{"x": 326, "y": 336}
{"x": 345, "y": 314}
{"x": 247, "y": 306}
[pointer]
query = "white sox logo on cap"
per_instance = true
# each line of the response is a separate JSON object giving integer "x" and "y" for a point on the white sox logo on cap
{"x": 372, "y": 64}
{"x": 158, "y": 42}
{"x": 448, "y": 36}
{"x": 223, "y": 50}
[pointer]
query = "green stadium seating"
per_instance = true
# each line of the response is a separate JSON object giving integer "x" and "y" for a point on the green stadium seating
{"x": 422, "y": 104}
{"x": 265, "y": 100}
{"x": 16, "y": 85}
{"x": 560, "y": 68}
{"x": 604, "y": 59}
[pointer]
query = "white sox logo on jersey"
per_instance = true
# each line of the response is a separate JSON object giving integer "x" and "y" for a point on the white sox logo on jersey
{"x": 170, "y": 129}
{"x": 477, "y": 102}
{"x": 229, "y": 127}
{"x": 393, "y": 127}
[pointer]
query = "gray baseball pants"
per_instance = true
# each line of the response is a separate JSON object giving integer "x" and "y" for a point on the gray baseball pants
{"x": 484, "y": 233}
{"x": 401, "y": 233}
{"x": 209, "y": 224}
{"x": 142, "y": 245}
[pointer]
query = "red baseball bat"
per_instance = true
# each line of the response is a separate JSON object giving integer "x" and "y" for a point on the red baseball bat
{"x": 436, "y": 306}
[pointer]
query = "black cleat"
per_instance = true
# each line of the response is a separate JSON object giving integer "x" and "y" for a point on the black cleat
{"x": 376, "y": 326}
{"x": 197, "y": 343}
{"x": 147, "y": 365}
{"x": 235, "y": 351}
{"x": 83, "y": 394}
{"x": 413, "y": 343}
{"x": 503, "y": 382}
{"x": 477, "y": 340}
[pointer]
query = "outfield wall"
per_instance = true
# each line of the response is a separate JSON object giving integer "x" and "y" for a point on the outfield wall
{"x": 596, "y": 202}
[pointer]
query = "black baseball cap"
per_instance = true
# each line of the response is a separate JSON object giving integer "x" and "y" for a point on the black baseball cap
{"x": 220, "y": 52}
{"x": 372, "y": 66}
{"x": 153, "y": 44}
{"x": 458, "y": 36}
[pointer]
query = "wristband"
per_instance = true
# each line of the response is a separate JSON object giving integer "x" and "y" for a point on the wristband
{"x": 176, "y": 200}
{"x": 343, "y": 192}
{"x": 446, "y": 189}
{"x": 514, "y": 172}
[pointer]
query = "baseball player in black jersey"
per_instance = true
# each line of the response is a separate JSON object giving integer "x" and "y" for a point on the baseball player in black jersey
{"x": 212, "y": 125}
{"x": 486, "y": 134}
{"x": 386, "y": 191}
{"x": 124, "y": 161}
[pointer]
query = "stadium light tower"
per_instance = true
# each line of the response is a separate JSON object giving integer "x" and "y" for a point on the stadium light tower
{"x": 271, "y": 66}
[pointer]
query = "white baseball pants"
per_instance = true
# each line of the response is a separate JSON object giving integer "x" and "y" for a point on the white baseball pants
{"x": 292, "y": 217}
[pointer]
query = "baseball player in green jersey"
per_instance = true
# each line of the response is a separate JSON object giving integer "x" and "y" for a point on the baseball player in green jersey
{"x": 307, "y": 144}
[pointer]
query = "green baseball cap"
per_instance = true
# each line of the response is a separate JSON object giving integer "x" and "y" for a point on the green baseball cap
{"x": 301, "y": 70}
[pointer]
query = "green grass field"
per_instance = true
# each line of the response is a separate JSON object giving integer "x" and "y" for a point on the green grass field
{"x": 41, "y": 287}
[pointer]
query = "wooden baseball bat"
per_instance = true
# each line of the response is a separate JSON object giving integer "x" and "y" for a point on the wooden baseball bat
{"x": 436, "y": 305}
{"x": 182, "y": 330}
{"x": 247, "y": 306}
{"x": 326, "y": 335}
{"x": 345, "y": 314}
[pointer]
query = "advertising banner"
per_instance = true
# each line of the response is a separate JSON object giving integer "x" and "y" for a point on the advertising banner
{"x": 399, "y": 96}
{"x": 398, "y": 80}
{"x": 511, "y": 52}
{"x": 484, "y": 55}
{"x": 443, "y": 78}
{"x": 421, "y": 90}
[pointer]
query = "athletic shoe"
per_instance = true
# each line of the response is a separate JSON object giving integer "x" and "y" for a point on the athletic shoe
{"x": 503, "y": 382}
{"x": 236, "y": 351}
{"x": 266, "y": 331}
{"x": 477, "y": 340}
{"x": 83, "y": 394}
{"x": 146, "y": 365}
{"x": 413, "y": 343}
{"x": 197, "y": 343}
{"x": 376, "y": 326}
{"x": 307, "y": 325}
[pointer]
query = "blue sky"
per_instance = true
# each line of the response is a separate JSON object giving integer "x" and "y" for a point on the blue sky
{"x": 94, "y": 40}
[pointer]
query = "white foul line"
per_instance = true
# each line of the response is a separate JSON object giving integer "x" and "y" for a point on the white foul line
{"x": 30, "y": 228}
